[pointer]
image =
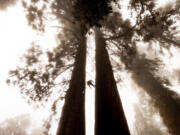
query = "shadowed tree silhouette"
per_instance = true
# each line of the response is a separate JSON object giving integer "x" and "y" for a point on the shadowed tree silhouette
{"x": 72, "y": 34}
{"x": 106, "y": 117}
{"x": 38, "y": 78}
{"x": 110, "y": 118}
{"x": 162, "y": 96}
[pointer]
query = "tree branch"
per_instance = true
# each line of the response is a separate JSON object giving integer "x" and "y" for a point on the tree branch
{"x": 176, "y": 43}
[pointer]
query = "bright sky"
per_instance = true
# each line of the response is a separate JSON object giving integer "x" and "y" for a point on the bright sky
{"x": 15, "y": 38}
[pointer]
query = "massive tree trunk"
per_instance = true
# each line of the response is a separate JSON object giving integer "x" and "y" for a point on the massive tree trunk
{"x": 109, "y": 114}
{"x": 72, "y": 120}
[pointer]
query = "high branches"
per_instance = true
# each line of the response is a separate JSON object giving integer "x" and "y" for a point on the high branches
{"x": 156, "y": 24}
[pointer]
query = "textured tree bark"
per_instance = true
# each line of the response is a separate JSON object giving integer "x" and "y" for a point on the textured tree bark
{"x": 72, "y": 120}
{"x": 109, "y": 114}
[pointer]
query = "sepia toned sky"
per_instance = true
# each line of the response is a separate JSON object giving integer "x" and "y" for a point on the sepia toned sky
{"x": 15, "y": 38}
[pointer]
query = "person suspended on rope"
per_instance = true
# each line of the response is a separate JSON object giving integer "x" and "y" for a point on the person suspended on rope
{"x": 90, "y": 83}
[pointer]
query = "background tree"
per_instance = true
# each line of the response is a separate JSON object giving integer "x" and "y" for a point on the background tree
{"x": 150, "y": 31}
{"x": 144, "y": 123}
{"x": 16, "y": 126}
{"x": 162, "y": 96}
{"x": 159, "y": 26}
{"x": 5, "y": 4}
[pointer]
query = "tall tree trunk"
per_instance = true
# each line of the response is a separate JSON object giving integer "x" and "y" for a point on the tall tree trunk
{"x": 72, "y": 120}
{"x": 165, "y": 100}
{"x": 109, "y": 114}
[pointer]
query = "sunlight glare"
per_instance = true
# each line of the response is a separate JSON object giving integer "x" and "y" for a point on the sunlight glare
{"x": 15, "y": 37}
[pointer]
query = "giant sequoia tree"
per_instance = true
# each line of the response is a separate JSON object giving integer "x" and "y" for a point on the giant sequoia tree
{"x": 75, "y": 18}
{"x": 110, "y": 118}
{"x": 74, "y": 100}
{"x": 152, "y": 25}
{"x": 73, "y": 46}
{"x": 73, "y": 114}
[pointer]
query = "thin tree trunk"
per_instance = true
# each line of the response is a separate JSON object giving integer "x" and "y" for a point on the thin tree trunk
{"x": 72, "y": 120}
{"x": 109, "y": 114}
